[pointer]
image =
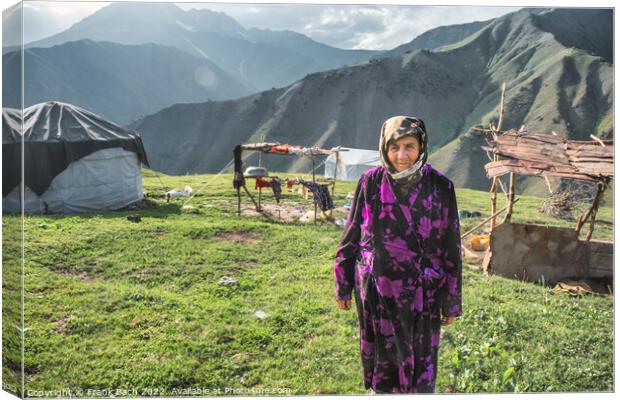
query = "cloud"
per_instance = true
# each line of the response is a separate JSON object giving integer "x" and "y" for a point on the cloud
{"x": 44, "y": 18}
{"x": 345, "y": 26}
{"x": 354, "y": 26}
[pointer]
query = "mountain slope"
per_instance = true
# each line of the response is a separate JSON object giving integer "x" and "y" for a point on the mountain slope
{"x": 549, "y": 87}
{"x": 325, "y": 109}
{"x": 119, "y": 82}
{"x": 457, "y": 87}
{"x": 437, "y": 37}
{"x": 259, "y": 59}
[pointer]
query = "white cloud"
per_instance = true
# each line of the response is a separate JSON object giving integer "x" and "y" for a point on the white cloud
{"x": 45, "y": 18}
{"x": 343, "y": 25}
{"x": 353, "y": 26}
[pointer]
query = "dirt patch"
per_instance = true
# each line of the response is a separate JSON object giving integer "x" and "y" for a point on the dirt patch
{"x": 83, "y": 276}
{"x": 241, "y": 237}
{"x": 63, "y": 324}
{"x": 291, "y": 212}
{"x": 285, "y": 213}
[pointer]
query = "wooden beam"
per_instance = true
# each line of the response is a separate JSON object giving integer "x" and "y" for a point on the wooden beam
{"x": 591, "y": 213}
{"x": 485, "y": 221}
{"x": 511, "y": 197}
{"x": 252, "y": 198}
{"x": 494, "y": 131}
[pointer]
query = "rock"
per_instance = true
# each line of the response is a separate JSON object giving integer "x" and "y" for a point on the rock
{"x": 228, "y": 281}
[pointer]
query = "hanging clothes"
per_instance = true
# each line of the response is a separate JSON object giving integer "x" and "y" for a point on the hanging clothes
{"x": 276, "y": 186}
{"x": 290, "y": 183}
{"x": 261, "y": 183}
{"x": 401, "y": 256}
{"x": 283, "y": 148}
{"x": 303, "y": 191}
{"x": 321, "y": 194}
{"x": 238, "y": 179}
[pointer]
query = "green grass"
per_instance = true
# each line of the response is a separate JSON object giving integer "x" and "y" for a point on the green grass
{"x": 115, "y": 304}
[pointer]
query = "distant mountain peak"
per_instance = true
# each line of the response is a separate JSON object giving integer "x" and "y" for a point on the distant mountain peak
{"x": 206, "y": 20}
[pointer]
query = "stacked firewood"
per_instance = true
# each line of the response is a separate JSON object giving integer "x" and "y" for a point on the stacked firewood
{"x": 569, "y": 200}
{"x": 558, "y": 205}
{"x": 545, "y": 154}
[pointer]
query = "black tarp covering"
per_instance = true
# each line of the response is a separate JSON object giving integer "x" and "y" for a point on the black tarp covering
{"x": 55, "y": 135}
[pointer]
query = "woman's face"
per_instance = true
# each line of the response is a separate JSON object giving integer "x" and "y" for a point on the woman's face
{"x": 403, "y": 153}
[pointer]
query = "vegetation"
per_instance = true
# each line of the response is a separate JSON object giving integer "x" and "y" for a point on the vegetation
{"x": 113, "y": 304}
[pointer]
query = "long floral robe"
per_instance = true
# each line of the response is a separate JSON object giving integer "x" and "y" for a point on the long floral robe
{"x": 401, "y": 256}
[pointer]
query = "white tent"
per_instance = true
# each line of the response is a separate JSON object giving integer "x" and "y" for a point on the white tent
{"x": 74, "y": 161}
{"x": 352, "y": 163}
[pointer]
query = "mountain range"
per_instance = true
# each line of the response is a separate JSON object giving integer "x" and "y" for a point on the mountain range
{"x": 188, "y": 80}
{"x": 558, "y": 69}
{"x": 119, "y": 82}
{"x": 259, "y": 59}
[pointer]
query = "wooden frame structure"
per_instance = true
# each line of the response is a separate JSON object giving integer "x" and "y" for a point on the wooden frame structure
{"x": 549, "y": 155}
{"x": 278, "y": 149}
{"x": 529, "y": 251}
{"x": 545, "y": 155}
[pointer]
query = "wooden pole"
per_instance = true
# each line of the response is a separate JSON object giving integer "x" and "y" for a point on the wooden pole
{"x": 260, "y": 153}
{"x": 494, "y": 199}
{"x": 511, "y": 197}
{"x": 251, "y": 198}
{"x": 335, "y": 173}
{"x": 314, "y": 181}
{"x": 496, "y": 157}
{"x": 584, "y": 217}
{"x": 238, "y": 201}
{"x": 485, "y": 221}
{"x": 501, "y": 107}
{"x": 591, "y": 213}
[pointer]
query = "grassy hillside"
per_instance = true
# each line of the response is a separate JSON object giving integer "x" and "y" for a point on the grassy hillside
{"x": 114, "y": 304}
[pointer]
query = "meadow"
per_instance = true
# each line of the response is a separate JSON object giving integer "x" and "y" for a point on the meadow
{"x": 115, "y": 304}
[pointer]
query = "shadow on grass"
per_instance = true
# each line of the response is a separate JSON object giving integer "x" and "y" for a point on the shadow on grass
{"x": 153, "y": 209}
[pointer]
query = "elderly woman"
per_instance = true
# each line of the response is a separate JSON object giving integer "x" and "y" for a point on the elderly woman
{"x": 401, "y": 256}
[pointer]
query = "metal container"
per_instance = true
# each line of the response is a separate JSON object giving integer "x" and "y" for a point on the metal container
{"x": 256, "y": 172}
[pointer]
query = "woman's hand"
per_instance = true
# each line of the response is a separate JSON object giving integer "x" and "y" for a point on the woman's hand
{"x": 343, "y": 304}
{"x": 447, "y": 320}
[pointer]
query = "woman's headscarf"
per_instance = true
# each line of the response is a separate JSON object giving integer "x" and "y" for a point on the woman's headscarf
{"x": 395, "y": 128}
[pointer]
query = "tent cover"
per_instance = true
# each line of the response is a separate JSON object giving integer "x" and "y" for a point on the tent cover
{"x": 74, "y": 160}
{"x": 352, "y": 163}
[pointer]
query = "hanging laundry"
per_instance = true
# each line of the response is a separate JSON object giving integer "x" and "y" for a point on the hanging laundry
{"x": 321, "y": 194}
{"x": 290, "y": 183}
{"x": 238, "y": 179}
{"x": 283, "y": 149}
{"x": 303, "y": 191}
{"x": 276, "y": 186}
{"x": 261, "y": 183}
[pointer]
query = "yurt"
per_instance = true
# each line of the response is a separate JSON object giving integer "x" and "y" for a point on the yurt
{"x": 73, "y": 161}
{"x": 352, "y": 163}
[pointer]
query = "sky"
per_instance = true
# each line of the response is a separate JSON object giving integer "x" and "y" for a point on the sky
{"x": 349, "y": 26}
{"x": 374, "y": 27}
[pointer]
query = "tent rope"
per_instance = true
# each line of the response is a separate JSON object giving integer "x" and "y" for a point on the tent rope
{"x": 206, "y": 182}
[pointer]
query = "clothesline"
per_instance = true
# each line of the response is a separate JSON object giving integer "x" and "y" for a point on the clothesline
{"x": 320, "y": 192}
{"x": 287, "y": 149}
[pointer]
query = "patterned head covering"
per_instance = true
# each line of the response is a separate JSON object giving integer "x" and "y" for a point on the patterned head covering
{"x": 395, "y": 128}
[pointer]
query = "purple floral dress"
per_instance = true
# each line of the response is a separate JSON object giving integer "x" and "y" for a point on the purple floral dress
{"x": 401, "y": 256}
